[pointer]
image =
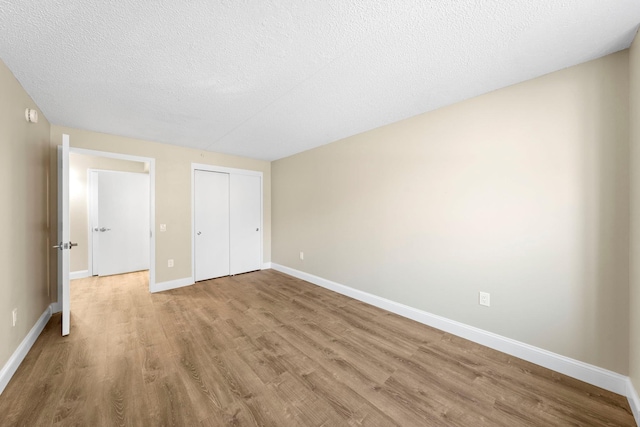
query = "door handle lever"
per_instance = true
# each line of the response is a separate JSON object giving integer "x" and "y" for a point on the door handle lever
{"x": 104, "y": 229}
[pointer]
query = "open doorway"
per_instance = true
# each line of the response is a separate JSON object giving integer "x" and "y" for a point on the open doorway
{"x": 85, "y": 168}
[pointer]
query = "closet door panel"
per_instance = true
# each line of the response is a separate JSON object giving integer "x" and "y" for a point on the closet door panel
{"x": 211, "y": 204}
{"x": 246, "y": 223}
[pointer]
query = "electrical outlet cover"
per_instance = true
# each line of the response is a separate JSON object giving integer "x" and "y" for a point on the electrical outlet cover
{"x": 485, "y": 299}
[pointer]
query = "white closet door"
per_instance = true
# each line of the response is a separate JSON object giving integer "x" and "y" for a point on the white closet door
{"x": 211, "y": 205}
{"x": 245, "y": 208}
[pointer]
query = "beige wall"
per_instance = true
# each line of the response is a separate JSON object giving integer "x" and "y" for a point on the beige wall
{"x": 634, "y": 114}
{"x": 24, "y": 166}
{"x": 79, "y": 166}
{"x": 522, "y": 193}
{"x": 173, "y": 191}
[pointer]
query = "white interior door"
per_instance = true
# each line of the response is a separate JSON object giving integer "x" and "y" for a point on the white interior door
{"x": 211, "y": 224}
{"x": 246, "y": 222}
{"x": 94, "y": 224}
{"x": 123, "y": 231}
{"x": 64, "y": 244}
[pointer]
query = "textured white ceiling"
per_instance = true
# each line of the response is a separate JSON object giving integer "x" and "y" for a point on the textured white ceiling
{"x": 267, "y": 79}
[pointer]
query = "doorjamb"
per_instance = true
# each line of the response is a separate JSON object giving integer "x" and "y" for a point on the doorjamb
{"x": 152, "y": 199}
{"x": 214, "y": 168}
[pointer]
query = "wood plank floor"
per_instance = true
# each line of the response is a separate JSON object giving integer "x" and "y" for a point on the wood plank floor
{"x": 267, "y": 349}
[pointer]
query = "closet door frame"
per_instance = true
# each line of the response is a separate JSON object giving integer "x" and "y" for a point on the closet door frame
{"x": 231, "y": 171}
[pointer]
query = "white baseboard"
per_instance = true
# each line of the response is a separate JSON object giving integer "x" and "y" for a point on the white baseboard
{"x": 266, "y": 265}
{"x": 591, "y": 374}
{"x": 634, "y": 400}
{"x": 81, "y": 274}
{"x": 171, "y": 284}
{"x": 18, "y": 356}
